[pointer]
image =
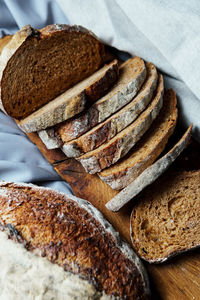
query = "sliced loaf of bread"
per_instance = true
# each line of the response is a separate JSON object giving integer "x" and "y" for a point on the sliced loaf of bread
{"x": 147, "y": 149}
{"x": 131, "y": 77}
{"x": 117, "y": 122}
{"x": 166, "y": 219}
{"x": 73, "y": 101}
{"x": 72, "y": 234}
{"x": 38, "y": 65}
{"x": 150, "y": 174}
{"x": 109, "y": 153}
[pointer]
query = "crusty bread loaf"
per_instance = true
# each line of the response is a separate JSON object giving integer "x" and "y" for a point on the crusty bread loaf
{"x": 109, "y": 153}
{"x": 4, "y": 41}
{"x": 132, "y": 75}
{"x": 70, "y": 232}
{"x": 117, "y": 122}
{"x": 150, "y": 174}
{"x": 147, "y": 149}
{"x": 166, "y": 219}
{"x": 38, "y": 65}
{"x": 72, "y": 101}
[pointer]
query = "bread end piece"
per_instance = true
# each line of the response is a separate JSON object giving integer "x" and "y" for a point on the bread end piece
{"x": 165, "y": 220}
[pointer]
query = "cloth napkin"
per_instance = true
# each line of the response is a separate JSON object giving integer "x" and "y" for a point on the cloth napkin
{"x": 163, "y": 32}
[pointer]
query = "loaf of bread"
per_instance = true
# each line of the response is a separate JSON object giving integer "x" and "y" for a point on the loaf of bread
{"x": 72, "y": 101}
{"x": 4, "y": 41}
{"x": 117, "y": 122}
{"x": 166, "y": 219}
{"x": 38, "y": 65}
{"x": 148, "y": 148}
{"x": 72, "y": 234}
{"x": 131, "y": 77}
{"x": 110, "y": 152}
{"x": 150, "y": 174}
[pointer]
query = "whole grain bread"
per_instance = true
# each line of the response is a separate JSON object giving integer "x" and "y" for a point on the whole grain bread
{"x": 110, "y": 152}
{"x": 117, "y": 122}
{"x": 166, "y": 219}
{"x": 131, "y": 77}
{"x": 150, "y": 174}
{"x": 73, "y": 101}
{"x": 70, "y": 232}
{"x": 38, "y": 65}
{"x": 147, "y": 149}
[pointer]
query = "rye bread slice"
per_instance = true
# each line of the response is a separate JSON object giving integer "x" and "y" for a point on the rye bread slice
{"x": 166, "y": 219}
{"x": 71, "y": 233}
{"x": 117, "y": 122}
{"x": 73, "y": 101}
{"x": 38, "y": 65}
{"x": 109, "y": 153}
{"x": 131, "y": 77}
{"x": 147, "y": 149}
{"x": 149, "y": 175}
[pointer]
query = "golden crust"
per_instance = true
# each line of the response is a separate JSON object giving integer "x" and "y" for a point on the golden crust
{"x": 67, "y": 234}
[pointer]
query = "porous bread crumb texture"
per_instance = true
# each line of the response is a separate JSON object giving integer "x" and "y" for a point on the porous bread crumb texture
{"x": 166, "y": 220}
{"x": 147, "y": 149}
{"x": 103, "y": 132}
{"x": 72, "y": 101}
{"x": 68, "y": 235}
{"x": 47, "y": 64}
{"x": 132, "y": 74}
{"x": 110, "y": 152}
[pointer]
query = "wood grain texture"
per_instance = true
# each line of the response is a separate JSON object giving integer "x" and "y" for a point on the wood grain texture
{"x": 177, "y": 279}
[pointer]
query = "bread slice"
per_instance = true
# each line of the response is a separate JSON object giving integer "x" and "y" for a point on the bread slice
{"x": 4, "y": 41}
{"x": 73, "y": 101}
{"x": 117, "y": 122}
{"x": 71, "y": 233}
{"x": 147, "y": 149}
{"x": 38, "y": 65}
{"x": 149, "y": 175}
{"x": 132, "y": 76}
{"x": 109, "y": 153}
{"x": 166, "y": 220}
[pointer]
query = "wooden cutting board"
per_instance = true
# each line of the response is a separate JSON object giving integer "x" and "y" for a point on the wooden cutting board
{"x": 174, "y": 280}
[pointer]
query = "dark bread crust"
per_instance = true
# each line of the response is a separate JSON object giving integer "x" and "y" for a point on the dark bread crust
{"x": 37, "y": 50}
{"x": 68, "y": 234}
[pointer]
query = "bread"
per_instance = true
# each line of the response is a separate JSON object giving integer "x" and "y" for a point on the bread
{"x": 166, "y": 219}
{"x": 109, "y": 153}
{"x": 147, "y": 149}
{"x": 117, "y": 122}
{"x": 73, "y": 101}
{"x": 71, "y": 233}
{"x": 38, "y": 65}
{"x": 4, "y": 41}
{"x": 149, "y": 175}
{"x": 132, "y": 76}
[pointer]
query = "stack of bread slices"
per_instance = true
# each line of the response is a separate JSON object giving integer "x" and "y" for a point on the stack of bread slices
{"x": 114, "y": 118}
